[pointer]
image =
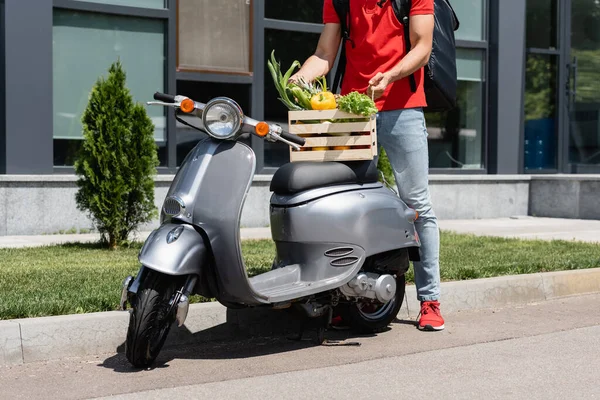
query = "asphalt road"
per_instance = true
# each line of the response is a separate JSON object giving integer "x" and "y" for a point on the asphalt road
{"x": 549, "y": 350}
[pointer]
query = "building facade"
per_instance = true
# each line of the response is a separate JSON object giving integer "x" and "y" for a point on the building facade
{"x": 529, "y": 74}
{"x": 528, "y": 70}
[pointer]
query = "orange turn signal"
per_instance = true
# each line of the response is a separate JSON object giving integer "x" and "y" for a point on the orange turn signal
{"x": 187, "y": 106}
{"x": 262, "y": 129}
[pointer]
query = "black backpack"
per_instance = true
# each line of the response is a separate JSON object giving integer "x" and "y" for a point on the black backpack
{"x": 440, "y": 72}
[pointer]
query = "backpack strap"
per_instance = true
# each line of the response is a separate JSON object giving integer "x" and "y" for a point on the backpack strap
{"x": 342, "y": 8}
{"x": 402, "y": 11}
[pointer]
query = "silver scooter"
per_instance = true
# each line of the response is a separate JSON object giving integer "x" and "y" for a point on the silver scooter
{"x": 343, "y": 240}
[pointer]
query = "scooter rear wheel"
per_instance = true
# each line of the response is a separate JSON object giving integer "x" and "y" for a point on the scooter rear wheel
{"x": 150, "y": 320}
{"x": 366, "y": 318}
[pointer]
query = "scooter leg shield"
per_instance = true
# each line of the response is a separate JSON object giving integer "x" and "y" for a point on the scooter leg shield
{"x": 174, "y": 249}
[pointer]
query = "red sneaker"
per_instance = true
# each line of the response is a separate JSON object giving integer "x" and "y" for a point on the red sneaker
{"x": 430, "y": 316}
{"x": 338, "y": 324}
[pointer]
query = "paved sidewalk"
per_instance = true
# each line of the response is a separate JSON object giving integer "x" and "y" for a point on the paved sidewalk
{"x": 529, "y": 228}
{"x": 518, "y": 227}
{"x": 46, "y": 240}
{"x": 536, "y": 351}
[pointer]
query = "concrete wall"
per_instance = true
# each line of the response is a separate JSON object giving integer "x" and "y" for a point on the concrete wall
{"x": 45, "y": 204}
{"x": 566, "y": 196}
{"x": 479, "y": 196}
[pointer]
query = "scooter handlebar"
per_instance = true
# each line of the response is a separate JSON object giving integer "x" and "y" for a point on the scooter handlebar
{"x": 293, "y": 138}
{"x": 167, "y": 98}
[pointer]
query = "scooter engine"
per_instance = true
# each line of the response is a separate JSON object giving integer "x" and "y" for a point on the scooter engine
{"x": 372, "y": 286}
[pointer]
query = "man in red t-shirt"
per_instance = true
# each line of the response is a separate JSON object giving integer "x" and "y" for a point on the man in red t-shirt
{"x": 378, "y": 65}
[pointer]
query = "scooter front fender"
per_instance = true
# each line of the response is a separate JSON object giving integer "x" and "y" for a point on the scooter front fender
{"x": 174, "y": 249}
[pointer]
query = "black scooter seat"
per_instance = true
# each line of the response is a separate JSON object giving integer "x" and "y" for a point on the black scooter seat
{"x": 299, "y": 176}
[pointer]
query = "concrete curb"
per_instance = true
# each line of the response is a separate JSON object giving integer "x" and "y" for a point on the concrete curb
{"x": 51, "y": 338}
{"x": 511, "y": 290}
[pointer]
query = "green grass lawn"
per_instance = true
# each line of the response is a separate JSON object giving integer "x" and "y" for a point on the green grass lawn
{"x": 82, "y": 278}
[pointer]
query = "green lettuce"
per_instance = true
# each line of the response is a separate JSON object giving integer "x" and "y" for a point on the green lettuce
{"x": 357, "y": 103}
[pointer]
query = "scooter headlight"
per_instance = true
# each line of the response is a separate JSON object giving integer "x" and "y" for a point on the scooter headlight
{"x": 222, "y": 118}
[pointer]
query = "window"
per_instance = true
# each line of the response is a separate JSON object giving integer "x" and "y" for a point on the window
{"x": 584, "y": 103}
{"x": 187, "y": 137}
{"x": 471, "y": 14}
{"x": 84, "y": 47}
{"x": 456, "y": 136}
{"x": 214, "y": 36}
{"x": 288, "y": 46}
{"x": 132, "y": 3}
{"x": 541, "y": 84}
{"x": 542, "y": 24}
{"x": 295, "y": 10}
{"x": 2, "y": 92}
{"x": 540, "y": 111}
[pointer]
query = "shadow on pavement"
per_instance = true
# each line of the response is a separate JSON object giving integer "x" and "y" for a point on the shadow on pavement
{"x": 271, "y": 332}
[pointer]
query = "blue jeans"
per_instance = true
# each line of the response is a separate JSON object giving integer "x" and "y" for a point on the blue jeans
{"x": 403, "y": 135}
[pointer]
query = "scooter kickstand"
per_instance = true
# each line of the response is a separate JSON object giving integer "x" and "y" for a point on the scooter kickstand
{"x": 319, "y": 322}
{"x": 298, "y": 337}
{"x": 340, "y": 343}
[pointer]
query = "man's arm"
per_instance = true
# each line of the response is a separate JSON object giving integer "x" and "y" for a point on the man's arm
{"x": 421, "y": 39}
{"x": 321, "y": 62}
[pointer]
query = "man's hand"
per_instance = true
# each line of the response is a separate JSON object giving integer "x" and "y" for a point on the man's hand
{"x": 377, "y": 85}
{"x": 296, "y": 78}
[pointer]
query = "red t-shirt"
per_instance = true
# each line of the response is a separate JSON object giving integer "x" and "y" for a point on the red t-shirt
{"x": 379, "y": 45}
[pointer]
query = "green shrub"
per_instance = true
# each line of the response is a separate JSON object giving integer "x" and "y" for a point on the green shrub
{"x": 117, "y": 161}
{"x": 383, "y": 164}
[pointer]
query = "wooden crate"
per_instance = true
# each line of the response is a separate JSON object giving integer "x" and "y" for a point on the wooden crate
{"x": 354, "y": 137}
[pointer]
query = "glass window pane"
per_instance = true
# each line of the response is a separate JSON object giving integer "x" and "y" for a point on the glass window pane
{"x": 456, "y": 136}
{"x": 469, "y": 64}
{"x": 541, "y": 24}
{"x": 584, "y": 138}
{"x": 295, "y": 10}
{"x": 540, "y": 112}
{"x": 132, "y": 3}
{"x": 2, "y": 91}
{"x": 188, "y": 137}
{"x": 471, "y": 14}
{"x": 214, "y": 36}
{"x": 288, "y": 46}
{"x": 84, "y": 47}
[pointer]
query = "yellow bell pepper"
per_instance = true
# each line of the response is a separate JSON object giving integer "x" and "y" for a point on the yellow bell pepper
{"x": 323, "y": 101}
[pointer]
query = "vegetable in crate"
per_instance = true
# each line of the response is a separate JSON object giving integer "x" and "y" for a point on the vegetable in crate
{"x": 323, "y": 101}
{"x": 281, "y": 83}
{"x": 357, "y": 103}
{"x": 301, "y": 97}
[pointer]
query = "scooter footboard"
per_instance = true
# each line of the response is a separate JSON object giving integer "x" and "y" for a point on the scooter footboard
{"x": 174, "y": 249}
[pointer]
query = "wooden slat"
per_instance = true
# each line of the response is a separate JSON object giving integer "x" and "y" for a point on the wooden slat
{"x": 321, "y": 114}
{"x": 332, "y": 135}
{"x": 331, "y": 128}
{"x": 338, "y": 141}
{"x": 332, "y": 155}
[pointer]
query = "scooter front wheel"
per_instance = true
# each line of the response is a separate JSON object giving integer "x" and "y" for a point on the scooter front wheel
{"x": 372, "y": 318}
{"x": 151, "y": 319}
